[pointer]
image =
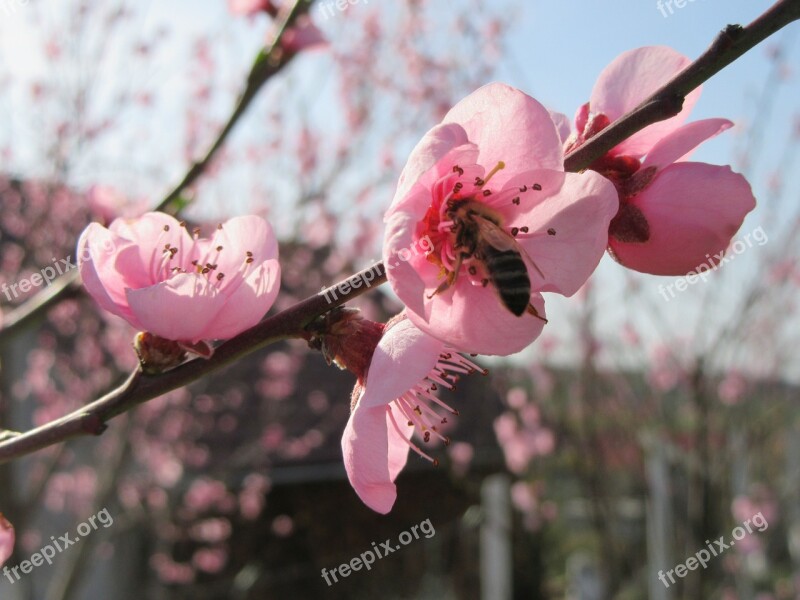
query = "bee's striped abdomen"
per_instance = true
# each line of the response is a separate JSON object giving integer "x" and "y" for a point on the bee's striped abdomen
{"x": 509, "y": 275}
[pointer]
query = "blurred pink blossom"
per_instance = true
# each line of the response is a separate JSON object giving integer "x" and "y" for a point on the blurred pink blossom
{"x": 7, "y": 539}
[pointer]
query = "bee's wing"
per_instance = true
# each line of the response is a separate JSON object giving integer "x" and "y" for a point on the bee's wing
{"x": 500, "y": 239}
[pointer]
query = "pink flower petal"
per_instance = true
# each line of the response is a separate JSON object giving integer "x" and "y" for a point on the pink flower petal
{"x": 96, "y": 250}
{"x": 402, "y": 275}
{"x": 678, "y": 145}
{"x": 510, "y": 126}
{"x": 568, "y": 222}
{"x": 248, "y": 304}
{"x": 693, "y": 211}
{"x": 404, "y": 357}
{"x": 7, "y": 539}
{"x": 581, "y": 117}
{"x": 563, "y": 125}
{"x": 180, "y": 308}
{"x": 630, "y": 78}
{"x": 374, "y": 454}
{"x": 473, "y": 320}
{"x": 428, "y": 154}
{"x": 248, "y": 7}
{"x": 237, "y": 237}
{"x": 150, "y": 233}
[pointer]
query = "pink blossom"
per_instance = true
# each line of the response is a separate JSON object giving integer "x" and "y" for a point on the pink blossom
{"x": 210, "y": 560}
{"x": 523, "y": 441}
{"x": 461, "y": 455}
{"x": 673, "y": 214}
{"x": 250, "y": 7}
{"x": 7, "y": 539}
{"x": 500, "y": 150}
{"x": 303, "y": 35}
{"x": 107, "y": 203}
{"x": 396, "y": 401}
{"x": 161, "y": 279}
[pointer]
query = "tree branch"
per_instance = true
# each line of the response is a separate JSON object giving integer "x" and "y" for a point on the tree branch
{"x": 731, "y": 43}
{"x": 90, "y": 420}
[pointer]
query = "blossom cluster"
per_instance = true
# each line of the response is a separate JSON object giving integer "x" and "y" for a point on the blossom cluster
{"x": 503, "y": 223}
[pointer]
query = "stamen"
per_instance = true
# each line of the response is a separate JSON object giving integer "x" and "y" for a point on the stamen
{"x": 411, "y": 444}
{"x": 424, "y": 424}
{"x": 440, "y": 380}
{"x": 498, "y": 167}
{"x": 428, "y": 396}
{"x": 462, "y": 360}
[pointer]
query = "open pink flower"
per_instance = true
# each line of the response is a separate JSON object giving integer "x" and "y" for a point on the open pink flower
{"x": 495, "y": 163}
{"x": 161, "y": 279}
{"x": 7, "y": 539}
{"x": 395, "y": 400}
{"x": 673, "y": 214}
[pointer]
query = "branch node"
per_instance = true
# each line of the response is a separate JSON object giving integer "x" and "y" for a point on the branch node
{"x": 93, "y": 424}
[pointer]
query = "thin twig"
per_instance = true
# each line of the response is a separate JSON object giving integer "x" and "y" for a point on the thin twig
{"x": 731, "y": 43}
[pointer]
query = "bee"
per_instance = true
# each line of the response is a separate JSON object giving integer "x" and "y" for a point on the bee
{"x": 479, "y": 235}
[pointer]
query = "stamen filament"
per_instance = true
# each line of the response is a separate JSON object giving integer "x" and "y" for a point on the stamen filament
{"x": 411, "y": 444}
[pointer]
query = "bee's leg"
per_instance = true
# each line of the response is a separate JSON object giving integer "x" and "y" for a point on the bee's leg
{"x": 532, "y": 311}
{"x": 451, "y": 277}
